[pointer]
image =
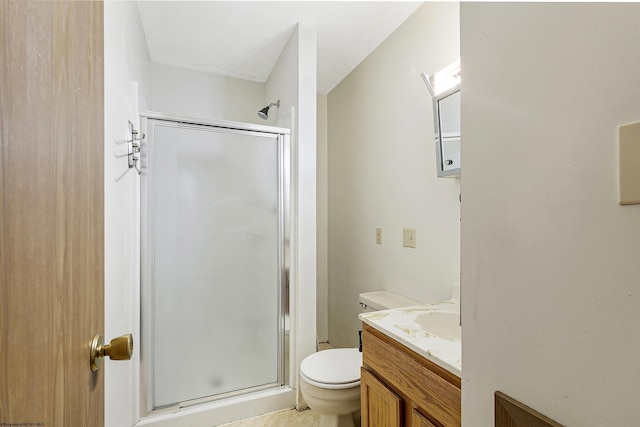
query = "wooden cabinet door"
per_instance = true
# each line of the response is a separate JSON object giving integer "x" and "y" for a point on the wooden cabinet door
{"x": 51, "y": 212}
{"x": 419, "y": 381}
{"x": 417, "y": 420}
{"x": 381, "y": 407}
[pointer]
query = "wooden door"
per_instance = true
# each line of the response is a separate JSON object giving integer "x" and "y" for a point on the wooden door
{"x": 52, "y": 212}
{"x": 380, "y": 407}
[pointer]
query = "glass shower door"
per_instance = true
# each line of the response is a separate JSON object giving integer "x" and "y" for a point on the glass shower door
{"x": 216, "y": 217}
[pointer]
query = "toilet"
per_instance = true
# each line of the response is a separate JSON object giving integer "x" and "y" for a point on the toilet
{"x": 330, "y": 379}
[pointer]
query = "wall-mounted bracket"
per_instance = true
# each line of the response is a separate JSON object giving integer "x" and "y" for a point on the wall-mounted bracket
{"x": 134, "y": 148}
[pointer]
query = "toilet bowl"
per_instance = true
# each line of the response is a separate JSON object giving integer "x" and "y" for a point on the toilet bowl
{"x": 330, "y": 379}
{"x": 330, "y": 385}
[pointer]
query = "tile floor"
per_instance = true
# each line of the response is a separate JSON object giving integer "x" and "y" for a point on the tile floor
{"x": 287, "y": 418}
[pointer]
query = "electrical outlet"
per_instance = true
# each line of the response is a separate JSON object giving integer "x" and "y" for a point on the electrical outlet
{"x": 379, "y": 235}
{"x": 409, "y": 237}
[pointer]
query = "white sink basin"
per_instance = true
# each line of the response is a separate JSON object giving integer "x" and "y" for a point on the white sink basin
{"x": 443, "y": 325}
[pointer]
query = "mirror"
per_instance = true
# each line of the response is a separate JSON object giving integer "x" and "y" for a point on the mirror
{"x": 446, "y": 113}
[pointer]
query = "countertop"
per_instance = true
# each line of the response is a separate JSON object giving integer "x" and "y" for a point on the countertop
{"x": 431, "y": 330}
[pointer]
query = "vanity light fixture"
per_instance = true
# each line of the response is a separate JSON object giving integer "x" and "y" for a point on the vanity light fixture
{"x": 443, "y": 80}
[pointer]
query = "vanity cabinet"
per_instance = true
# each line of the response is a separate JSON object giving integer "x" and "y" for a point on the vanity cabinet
{"x": 399, "y": 387}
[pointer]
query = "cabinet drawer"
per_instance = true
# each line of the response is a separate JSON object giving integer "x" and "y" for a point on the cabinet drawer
{"x": 429, "y": 386}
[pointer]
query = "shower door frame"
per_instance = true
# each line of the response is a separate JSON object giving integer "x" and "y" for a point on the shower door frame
{"x": 283, "y": 136}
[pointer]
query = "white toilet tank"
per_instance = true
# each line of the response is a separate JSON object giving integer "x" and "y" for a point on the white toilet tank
{"x": 384, "y": 300}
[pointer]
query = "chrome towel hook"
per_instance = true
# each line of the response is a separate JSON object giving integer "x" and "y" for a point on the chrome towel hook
{"x": 134, "y": 148}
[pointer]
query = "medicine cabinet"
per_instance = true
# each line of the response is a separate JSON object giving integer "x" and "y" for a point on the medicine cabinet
{"x": 446, "y": 115}
{"x": 444, "y": 87}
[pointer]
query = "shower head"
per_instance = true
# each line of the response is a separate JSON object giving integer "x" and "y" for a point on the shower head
{"x": 264, "y": 113}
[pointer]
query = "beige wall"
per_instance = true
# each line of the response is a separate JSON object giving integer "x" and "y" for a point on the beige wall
{"x": 382, "y": 173}
{"x": 550, "y": 261}
{"x": 205, "y": 95}
{"x": 322, "y": 233}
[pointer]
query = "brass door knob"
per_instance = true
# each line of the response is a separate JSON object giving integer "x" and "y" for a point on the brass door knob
{"x": 120, "y": 348}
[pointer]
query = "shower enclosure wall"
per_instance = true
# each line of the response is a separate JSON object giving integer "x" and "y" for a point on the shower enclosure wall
{"x": 215, "y": 203}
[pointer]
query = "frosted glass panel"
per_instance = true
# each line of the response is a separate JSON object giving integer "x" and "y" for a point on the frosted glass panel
{"x": 216, "y": 264}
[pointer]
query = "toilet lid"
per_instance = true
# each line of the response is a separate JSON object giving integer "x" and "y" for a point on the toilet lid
{"x": 334, "y": 367}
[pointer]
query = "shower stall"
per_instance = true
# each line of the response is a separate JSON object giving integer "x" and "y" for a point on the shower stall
{"x": 215, "y": 237}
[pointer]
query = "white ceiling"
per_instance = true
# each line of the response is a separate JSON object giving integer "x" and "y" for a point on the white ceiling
{"x": 244, "y": 39}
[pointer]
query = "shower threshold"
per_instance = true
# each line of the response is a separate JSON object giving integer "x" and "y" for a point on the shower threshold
{"x": 221, "y": 411}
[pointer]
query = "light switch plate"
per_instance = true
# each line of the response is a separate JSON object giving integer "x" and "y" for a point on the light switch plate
{"x": 629, "y": 164}
{"x": 379, "y": 235}
{"x": 409, "y": 237}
